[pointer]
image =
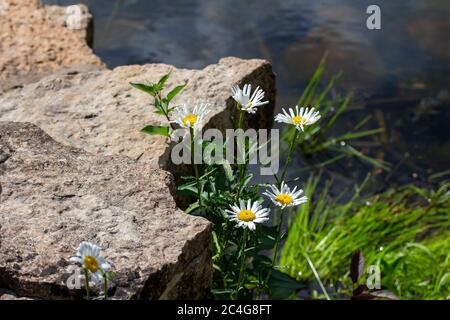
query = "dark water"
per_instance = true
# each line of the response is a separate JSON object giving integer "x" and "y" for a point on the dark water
{"x": 399, "y": 74}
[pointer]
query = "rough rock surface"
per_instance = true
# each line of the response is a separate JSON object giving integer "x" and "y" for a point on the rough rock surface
{"x": 100, "y": 112}
{"x": 55, "y": 196}
{"x": 9, "y": 295}
{"x": 36, "y": 40}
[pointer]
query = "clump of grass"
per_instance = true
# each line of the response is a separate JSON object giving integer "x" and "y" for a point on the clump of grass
{"x": 420, "y": 269}
{"x": 318, "y": 139}
{"x": 402, "y": 230}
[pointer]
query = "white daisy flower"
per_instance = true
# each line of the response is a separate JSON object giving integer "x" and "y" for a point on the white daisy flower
{"x": 88, "y": 255}
{"x": 187, "y": 118}
{"x": 298, "y": 118}
{"x": 247, "y": 101}
{"x": 246, "y": 215}
{"x": 285, "y": 197}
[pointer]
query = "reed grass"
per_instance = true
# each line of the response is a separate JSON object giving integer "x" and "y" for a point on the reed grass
{"x": 403, "y": 230}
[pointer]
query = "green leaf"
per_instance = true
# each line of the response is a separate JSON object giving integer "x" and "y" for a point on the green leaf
{"x": 163, "y": 81}
{"x": 187, "y": 189}
{"x": 267, "y": 237}
{"x": 357, "y": 266}
{"x": 384, "y": 294}
{"x": 228, "y": 171}
{"x": 313, "y": 84}
{"x": 188, "y": 178}
{"x": 175, "y": 91}
{"x": 220, "y": 181}
{"x": 282, "y": 286}
{"x": 170, "y": 109}
{"x": 156, "y": 130}
{"x": 444, "y": 280}
{"x": 246, "y": 181}
{"x": 276, "y": 178}
{"x": 162, "y": 106}
{"x": 151, "y": 90}
{"x": 194, "y": 206}
{"x": 262, "y": 261}
{"x": 221, "y": 293}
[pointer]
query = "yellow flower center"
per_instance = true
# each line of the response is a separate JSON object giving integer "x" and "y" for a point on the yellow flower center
{"x": 246, "y": 215}
{"x": 297, "y": 120}
{"x": 91, "y": 263}
{"x": 190, "y": 120}
{"x": 249, "y": 104}
{"x": 284, "y": 199}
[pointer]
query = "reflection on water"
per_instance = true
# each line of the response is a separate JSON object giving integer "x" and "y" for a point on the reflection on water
{"x": 400, "y": 74}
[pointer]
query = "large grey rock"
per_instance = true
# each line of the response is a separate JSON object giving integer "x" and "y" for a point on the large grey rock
{"x": 55, "y": 196}
{"x": 36, "y": 40}
{"x": 100, "y": 112}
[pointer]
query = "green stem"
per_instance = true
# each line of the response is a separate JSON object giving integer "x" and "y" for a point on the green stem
{"x": 223, "y": 245}
{"x": 170, "y": 123}
{"x": 241, "y": 167}
{"x": 86, "y": 282}
{"x": 105, "y": 286}
{"x": 316, "y": 274}
{"x": 197, "y": 176}
{"x": 242, "y": 267}
{"x": 241, "y": 119}
{"x": 277, "y": 245}
{"x": 275, "y": 217}
{"x": 166, "y": 114}
{"x": 291, "y": 149}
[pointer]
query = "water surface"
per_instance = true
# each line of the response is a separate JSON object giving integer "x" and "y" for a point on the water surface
{"x": 399, "y": 74}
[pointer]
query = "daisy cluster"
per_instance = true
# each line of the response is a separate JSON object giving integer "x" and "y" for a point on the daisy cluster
{"x": 193, "y": 117}
{"x": 248, "y": 214}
